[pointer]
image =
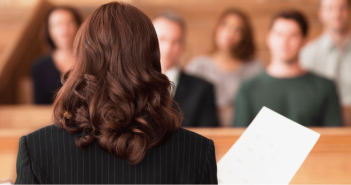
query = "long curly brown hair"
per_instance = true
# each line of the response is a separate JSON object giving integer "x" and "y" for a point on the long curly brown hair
{"x": 116, "y": 93}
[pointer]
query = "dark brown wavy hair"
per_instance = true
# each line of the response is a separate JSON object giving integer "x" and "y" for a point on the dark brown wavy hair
{"x": 116, "y": 93}
{"x": 245, "y": 49}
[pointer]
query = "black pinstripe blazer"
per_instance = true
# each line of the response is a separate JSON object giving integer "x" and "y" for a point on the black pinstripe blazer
{"x": 50, "y": 155}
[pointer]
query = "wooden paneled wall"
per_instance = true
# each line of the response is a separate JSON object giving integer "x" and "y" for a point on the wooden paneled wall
{"x": 12, "y": 20}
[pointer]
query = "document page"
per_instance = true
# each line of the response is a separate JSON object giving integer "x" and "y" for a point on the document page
{"x": 270, "y": 151}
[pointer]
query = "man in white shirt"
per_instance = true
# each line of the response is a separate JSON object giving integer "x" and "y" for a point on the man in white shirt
{"x": 330, "y": 54}
{"x": 194, "y": 96}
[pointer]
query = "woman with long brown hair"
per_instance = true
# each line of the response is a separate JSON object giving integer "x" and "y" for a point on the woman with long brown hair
{"x": 114, "y": 117}
{"x": 231, "y": 60}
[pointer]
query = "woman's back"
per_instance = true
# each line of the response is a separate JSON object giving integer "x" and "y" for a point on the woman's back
{"x": 50, "y": 155}
{"x": 115, "y": 101}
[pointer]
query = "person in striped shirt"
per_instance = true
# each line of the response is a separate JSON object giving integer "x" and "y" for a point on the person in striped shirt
{"x": 330, "y": 54}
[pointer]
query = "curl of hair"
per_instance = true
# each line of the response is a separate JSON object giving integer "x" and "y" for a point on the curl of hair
{"x": 116, "y": 93}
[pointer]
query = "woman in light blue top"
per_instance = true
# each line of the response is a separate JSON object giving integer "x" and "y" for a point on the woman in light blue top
{"x": 231, "y": 60}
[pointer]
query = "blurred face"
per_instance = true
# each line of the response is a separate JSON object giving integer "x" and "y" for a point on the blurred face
{"x": 285, "y": 40}
{"x": 229, "y": 32}
{"x": 62, "y": 28}
{"x": 170, "y": 37}
{"x": 334, "y": 14}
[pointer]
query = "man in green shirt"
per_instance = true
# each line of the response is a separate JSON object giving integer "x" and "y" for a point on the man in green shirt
{"x": 285, "y": 86}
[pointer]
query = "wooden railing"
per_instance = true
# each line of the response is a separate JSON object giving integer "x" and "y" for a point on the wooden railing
{"x": 328, "y": 163}
{"x": 16, "y": 121}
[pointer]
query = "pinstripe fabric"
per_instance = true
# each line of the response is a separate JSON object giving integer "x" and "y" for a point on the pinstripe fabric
{"x": 50, "y": 155}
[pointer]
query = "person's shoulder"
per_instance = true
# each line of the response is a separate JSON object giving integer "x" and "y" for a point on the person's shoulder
{"x": 187, "y": 137}
{"x": 253, "y": 67}
{"x": 321, "y": 81}
{"x": 321, "y": 84}
{"x": 253, "y": 84}
{"x": 196, "y": 81}
{"x": 258, "y": 79}
{"x": 310, "y": 48}
{"x": 313, "y": 44}
{"x": 45, "y": 132}
{"x": 42, "y": 59}
{"x": 318, "y": 78}
{"x": 41, "y": 62}
{"x": 255, "y": 63}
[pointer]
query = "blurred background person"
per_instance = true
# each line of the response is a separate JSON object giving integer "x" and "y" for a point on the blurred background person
{"x": 61, "y": 26}
{"x": 286, "y": 87}
{"x": 194, "y": 96}
{"x": 330, "y": 54}
{"x": 231, "y": 60}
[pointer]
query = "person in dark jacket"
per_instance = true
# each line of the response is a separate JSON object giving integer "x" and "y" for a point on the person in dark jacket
{"x": 195, "y": 96}
{"x": 61, "y": 26}
{"x": 114, "y": 117}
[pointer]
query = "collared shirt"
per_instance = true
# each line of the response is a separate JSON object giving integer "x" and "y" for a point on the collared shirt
{"x": 324, "y": 58}
{"x": 173, "y": 76}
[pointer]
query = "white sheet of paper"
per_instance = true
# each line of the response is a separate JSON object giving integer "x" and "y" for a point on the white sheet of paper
{"x": 270, "y": 151}
{"x": 5, "y": 183}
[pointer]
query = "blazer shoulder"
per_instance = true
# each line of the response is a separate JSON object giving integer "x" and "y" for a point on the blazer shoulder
{"x": 45, "y": 130}
{"x": 52, "y": 133}
{"x": 192, "y": 138}
{"x": 195, "y": 81}
{"x": 204, "y": 150}
{"x": 41, "y": 63}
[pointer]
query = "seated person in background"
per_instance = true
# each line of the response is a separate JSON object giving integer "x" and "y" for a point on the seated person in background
{"x": 330, "y": 54}
{"x": 61, "y": 27}
{"x": 114, "y": 116}
{"x": 231, "y": 60}
{"x": 285, "y": 87}
{"x": 194, "y": 96}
